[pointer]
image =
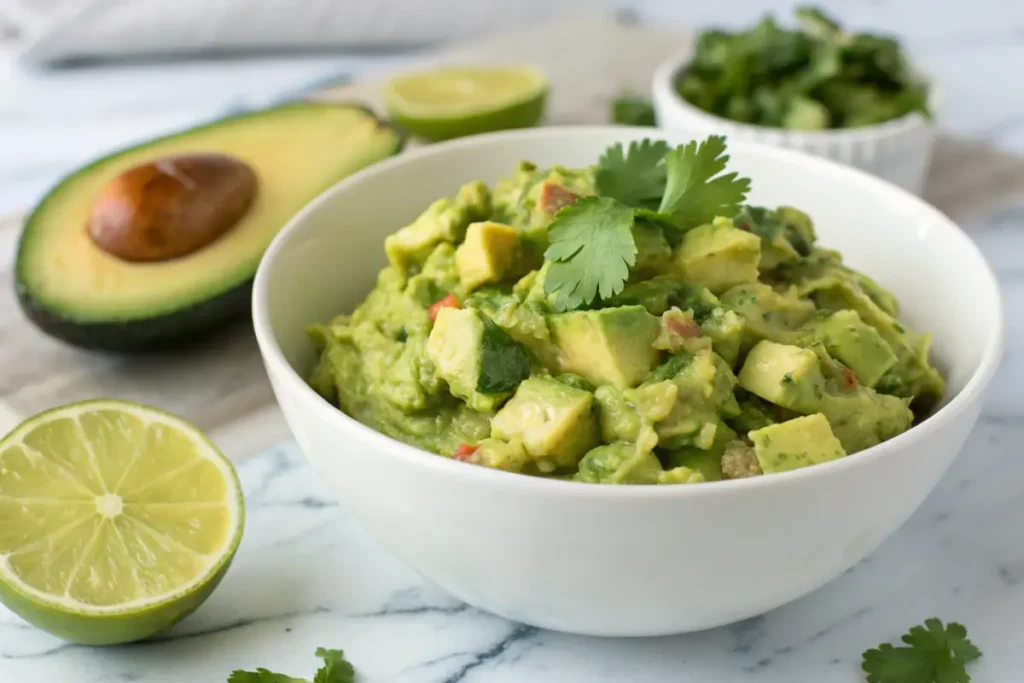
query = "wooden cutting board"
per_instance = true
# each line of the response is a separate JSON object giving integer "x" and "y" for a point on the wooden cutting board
{"x": 220, "y": 385}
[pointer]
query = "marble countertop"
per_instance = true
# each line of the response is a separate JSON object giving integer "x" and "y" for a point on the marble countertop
{"x": 307, "y": 576}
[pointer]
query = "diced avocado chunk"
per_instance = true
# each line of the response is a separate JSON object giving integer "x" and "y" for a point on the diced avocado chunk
{"x": 725, "y": 329}
{"x": 767, "y": 314}
{"x": 858, "y": 345}
{"x": 554, "y": 422}
{"x": 625, "y": 463}
{"x": 445, "y": 220}
{"x": 788, "y": 376}
{"x": 501, "y": 455}
{"x": 617, "y": 417}
{"x": 488, "y": 254}
{"x": 863, "y": 418}
{"x": 706, "y": 461}
{"x": 436, "y": 279}
{"x": 781, "y": 243}
{"x": 619, "y": 463}
{"x": 718, "y": 256}
{"x": 608, "y": 346}
{"x": 704, "y": 386}
{"x": 478, "y": 359}
{"x": 621, "y": 413}
{"x": 527, "y": 324}
{"x": 799, "y": 228}
{"x": 916, "y": 377}
{"x": 796, "y": 443}
{"x": 681, "y": 475}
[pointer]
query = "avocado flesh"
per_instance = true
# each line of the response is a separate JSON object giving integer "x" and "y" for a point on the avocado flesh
{"x": 76, "y": 292}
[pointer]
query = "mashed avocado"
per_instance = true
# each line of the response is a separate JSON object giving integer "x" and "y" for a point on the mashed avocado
{"x": 734, "y": 348}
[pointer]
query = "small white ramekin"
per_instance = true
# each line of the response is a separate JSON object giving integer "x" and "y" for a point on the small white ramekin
{"x": 898, "y": 151}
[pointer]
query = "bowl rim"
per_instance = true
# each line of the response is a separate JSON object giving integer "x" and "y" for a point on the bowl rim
{"x": 485, "y": 476}
{"x": 664, "y": 91}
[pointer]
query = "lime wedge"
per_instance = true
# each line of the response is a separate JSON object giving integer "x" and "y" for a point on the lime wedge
{"x": 116, "y": 520}
{"x": 452, "y": 102}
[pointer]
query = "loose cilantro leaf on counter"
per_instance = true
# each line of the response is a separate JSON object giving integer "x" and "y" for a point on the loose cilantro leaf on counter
{"x": 934, "y": 653}
{"x": 695, "y": 192}
{"x": 591, "y": 250}
{"x": 635, "y": 175}
{"x": 262, "y": 676}
{"x": 633, "y": 111}
{"x": 336, "y": 669}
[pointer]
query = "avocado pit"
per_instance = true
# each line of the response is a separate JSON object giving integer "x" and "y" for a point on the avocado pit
{"x": 171, "y": 206}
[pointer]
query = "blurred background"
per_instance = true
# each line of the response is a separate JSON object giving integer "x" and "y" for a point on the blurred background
{"x": 82, "y": 77}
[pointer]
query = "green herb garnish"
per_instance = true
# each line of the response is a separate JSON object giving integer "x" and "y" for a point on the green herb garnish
{"x": 591, "y": 244}
{"x": 633, "y": 111}
{"x": 591, "y": 251}
{"x": 503, "y": 362}
{"x": 934, "y": 653}
{"x": 634, "y": 175}
{"x": 336, "y": 669}
{"x": 695, "y": 192}
{"x": 813, "y": 77}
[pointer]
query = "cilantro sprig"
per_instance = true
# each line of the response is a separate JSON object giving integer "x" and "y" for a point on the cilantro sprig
{"x": 695, "y": 191}
{"x": 591, "y": 243}
{"x": 634, "y": 175}
{"x": 591, "y": 251}
{"x": 934, "y": 653}
{"x": 336, "y": 669}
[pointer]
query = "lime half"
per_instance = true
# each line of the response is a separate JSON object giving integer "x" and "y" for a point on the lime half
{"x": 116, "y": 520}
{"x": 457, "y": 101}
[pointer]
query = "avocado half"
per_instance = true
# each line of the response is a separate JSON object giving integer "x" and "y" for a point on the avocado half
{"x": 76, "y": 292}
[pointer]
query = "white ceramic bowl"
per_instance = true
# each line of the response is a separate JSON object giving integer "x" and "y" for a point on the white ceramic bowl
{"x": 626, "y": 560}
{"x": 898, "y": 151}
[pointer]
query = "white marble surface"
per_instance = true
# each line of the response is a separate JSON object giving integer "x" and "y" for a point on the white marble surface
{"x": 307, "y": 576}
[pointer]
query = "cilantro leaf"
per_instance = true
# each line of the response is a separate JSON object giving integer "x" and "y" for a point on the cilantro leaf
{"x": 814, "y": 22}
{"x": 336, "y": 669}
{"x": 934, "y": 653}
{"x": 635, "y": 175}
{"x": 262, "y": 676}
{"x": 633, "y": 111}
{"x": 591, "y": 250}
{"x": 695, "y": 192}
{"x": 503, "y": 361}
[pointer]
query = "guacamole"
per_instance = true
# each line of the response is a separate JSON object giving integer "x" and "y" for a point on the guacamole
{"x": 735, "y": 348}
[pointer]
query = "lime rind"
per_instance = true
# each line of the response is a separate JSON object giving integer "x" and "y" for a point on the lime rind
{"x": 134, "y": 619}
{"x": 495, "y": 108}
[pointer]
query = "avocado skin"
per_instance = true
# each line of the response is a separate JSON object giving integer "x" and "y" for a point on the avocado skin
{"x": 159, "y": 333}
{"x": 174, "y": 329}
